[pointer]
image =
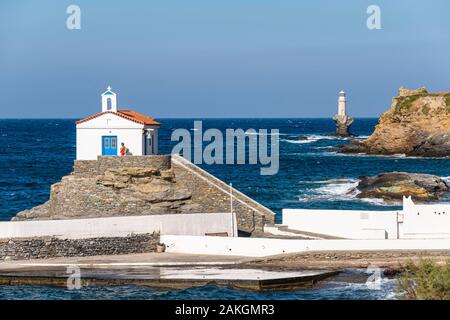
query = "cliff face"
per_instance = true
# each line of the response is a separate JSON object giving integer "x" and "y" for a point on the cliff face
{"x": 144, "y": 185}
{"x": 417, "y": 124}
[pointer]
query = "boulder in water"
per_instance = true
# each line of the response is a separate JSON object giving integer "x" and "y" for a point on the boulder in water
{"x": 392, "y": 186}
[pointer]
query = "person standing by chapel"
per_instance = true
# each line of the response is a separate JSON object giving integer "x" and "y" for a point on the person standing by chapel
{"x": 123, "y": 150}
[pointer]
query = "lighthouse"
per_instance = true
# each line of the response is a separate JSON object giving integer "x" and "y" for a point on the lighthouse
{"x": 341, "y": 119}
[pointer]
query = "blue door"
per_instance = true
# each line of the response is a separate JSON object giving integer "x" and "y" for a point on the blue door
{"x": 109, "y": 146}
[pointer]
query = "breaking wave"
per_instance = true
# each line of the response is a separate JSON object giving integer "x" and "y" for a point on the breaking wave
{"x": 265, "y": 134}
{"x": 310, "y": 138}
{"x": 331, "y": 190}
{"x": 341, "y": 189}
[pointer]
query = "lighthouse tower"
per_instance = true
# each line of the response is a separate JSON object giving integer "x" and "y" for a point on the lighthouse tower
{"x": 342, "y": 103}
{"x": 341, "y": 119}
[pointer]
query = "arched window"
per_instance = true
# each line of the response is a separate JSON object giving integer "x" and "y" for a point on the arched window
{"x": 108, "y": 104}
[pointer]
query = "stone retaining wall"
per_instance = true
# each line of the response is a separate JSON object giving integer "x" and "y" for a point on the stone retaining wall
{"x": 214, "y": 196}
{"x": 44, "y": 247}
{"x": 145, "y": 185}
{"x": 99, "y": 166}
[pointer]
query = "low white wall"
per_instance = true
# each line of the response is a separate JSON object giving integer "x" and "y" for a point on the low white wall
{"x": 261, "y": 247}
{"x": 196, "y": 224}
{"x": 351, "y": 224}
{"x": 430, "y": 221}
{"x": 425, "y": 220}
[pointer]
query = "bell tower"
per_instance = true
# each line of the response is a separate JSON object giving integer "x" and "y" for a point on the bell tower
{"x": 109, "y": 100}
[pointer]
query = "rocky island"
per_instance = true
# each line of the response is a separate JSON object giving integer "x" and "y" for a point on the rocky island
{"x": 417, "y": 124}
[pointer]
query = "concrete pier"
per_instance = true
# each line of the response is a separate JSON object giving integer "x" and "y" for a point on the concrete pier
{"x": 169, "y": 271}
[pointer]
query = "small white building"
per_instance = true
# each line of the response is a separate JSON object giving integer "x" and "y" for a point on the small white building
{"x": 415, "y": 221}
{"x": 102, "y": 134}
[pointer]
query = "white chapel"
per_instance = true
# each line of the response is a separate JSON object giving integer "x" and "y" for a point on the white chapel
{"x": 103, "y": 133}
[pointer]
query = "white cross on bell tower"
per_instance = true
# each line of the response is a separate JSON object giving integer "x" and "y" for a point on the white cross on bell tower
{"x": 109, "y": 100}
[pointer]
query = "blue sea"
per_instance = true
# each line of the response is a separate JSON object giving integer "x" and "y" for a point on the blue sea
{"x": 38, "y": 152}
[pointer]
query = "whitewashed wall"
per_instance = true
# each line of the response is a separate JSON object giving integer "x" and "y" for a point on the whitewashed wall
{"x": 89, "y": 135}
{"x": 89, "y": 141}
{"x": 413, "y": 222}
{"x": 176, "y": 224}
{"x": 351, "y": 224}
{"x": 425, "y": 221}
{"x": 261, "y": 247}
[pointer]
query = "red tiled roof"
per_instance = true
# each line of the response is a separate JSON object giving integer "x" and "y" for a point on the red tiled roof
{"x": 139, "y": 117}
{"x": 126, "y": 114}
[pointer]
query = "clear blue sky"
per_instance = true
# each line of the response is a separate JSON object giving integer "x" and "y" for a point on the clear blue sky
{"x": 218, "y": 58}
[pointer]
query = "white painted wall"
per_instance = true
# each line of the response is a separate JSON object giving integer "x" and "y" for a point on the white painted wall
{"x": 176, "y": 224}
{"x": 425, "y": 221}
{"x": 89, "y": 136}
{"x": 413, "y": 222}
{"x": 261, "y": 247}
{"x": 351, "y": 224}
{"x": 89, "y": 141}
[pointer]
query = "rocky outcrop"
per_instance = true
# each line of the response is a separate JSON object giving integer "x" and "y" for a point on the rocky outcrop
{"x": 417, "y": 124}
{"x": 343, "y": 123}
{"x": 115, "y": 192}
{"x": 392, "y": 186}
{"x": 144, "y": 185}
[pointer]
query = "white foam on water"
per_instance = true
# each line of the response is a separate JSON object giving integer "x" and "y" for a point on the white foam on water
{"x": 266, "y": 134}
{"x": 390, "y": 156}
{"x": 336, "y": 180}
{"x": 310, "y": 138}
{"x": 297, "y": 141}
{"x": 340, "y": 189}
{"x": 331, "y": 190}
{"x": 326, "y": 147}
{"x": 384, "y": 289}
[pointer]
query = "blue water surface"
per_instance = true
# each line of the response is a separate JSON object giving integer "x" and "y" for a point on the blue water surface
{"x": 35, "y": 153}
{"x": 350, "y": 285}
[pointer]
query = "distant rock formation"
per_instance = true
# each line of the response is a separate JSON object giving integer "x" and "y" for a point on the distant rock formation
{"x": 392, "y": 186}
{"x": 417, "y": 124}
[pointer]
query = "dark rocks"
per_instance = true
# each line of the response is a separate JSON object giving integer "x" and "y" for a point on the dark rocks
{"x": 393, "y": 186}
{"x": 433, "y": 146}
